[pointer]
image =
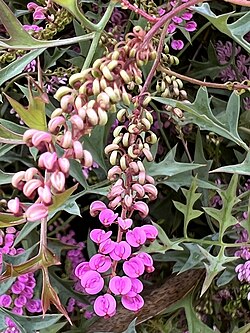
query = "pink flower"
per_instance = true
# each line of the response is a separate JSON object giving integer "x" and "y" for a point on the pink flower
{"x": 190, "y": 26}
{"x": 151, "y": 232}
{"x": 98, "y": 235}
{"x": 36, "y": 212}
{"x": 136, "y": 237}
{"x": 122, "y": 250}
{"x": 177, "y": 19}
{"x": 134, "y": 267}
{"x": 171, "y": 28}
{"x": 132, "y": 303}
{"x": 96, "y": 207}
{"x": 45, "y": 194}
{"x": 92, "y": 282}
{"x": 120, "y": 285}
{"x": 81, "y": 269}
{"x": 137, "y": 287}
{"x": 48, "y": 161}
{"x": 100, "y": 263}
{"x": 187, "y": 16}
{"x": 105, "y": 305}
{"x": 58, "y": 180}
{"x": 124, "y": 224}
{"x": 14, "y": 206}
{"x": 177, "y": 44}
{"x": 5, "y": 300}
{"x": 107, "y": 217}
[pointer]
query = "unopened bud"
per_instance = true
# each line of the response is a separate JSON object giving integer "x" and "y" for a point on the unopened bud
{"x": 62, "y": 91}
{"x": 107, "y": 74}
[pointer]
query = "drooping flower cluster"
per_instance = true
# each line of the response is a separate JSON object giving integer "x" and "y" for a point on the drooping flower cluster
{"x": 19, "y": 298}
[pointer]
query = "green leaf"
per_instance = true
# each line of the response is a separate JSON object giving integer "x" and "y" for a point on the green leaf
{"x": 16, "y": 67}
{"x": 30, "y": 324}
{"x": 10, "y": 137}
{"x": 26, "y": 230}
{"x": 9, "y": 220}
{"x": 34, "y": 116}
{"x": 50, "y": 59}
{"x": 54, "y": 328}
{"x": 169, "y": 167}
{"x": 236, "y": 30}
{"x": 18, "y": 129}
{"x": 187, "y": 209}
{"x": 21, "y": 39}
{"x": 195, "y": 257}
{"x": 200, "y": 113}
{"x": 244, "y": 329}
{"x": 60, "y": 199}
{"x": 5, "y": 178}
{"x": 131, "y": 327}
{"x": 240, "y": 169}
{"x": 224, "y": 215}
{"x": 76, "y": 172}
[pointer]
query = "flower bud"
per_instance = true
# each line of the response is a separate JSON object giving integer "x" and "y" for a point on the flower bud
{"x": 48, "y": 161}
{"x": 30, "y": 173}
{"x": 151, "y": 191}
{"x": 27, "y": 137}
{"x": 14, "y": 206}
{"x": 78, "y": 151}
{"x": 96, "y": 207}
{"x": 123, "y": 162}
{"x": 36, "y": 212}
{"x": 103, "y": 117}
{"x": 139, "y": 190}
{"x": 45, "y": 194}
{"x": 56, "y": 113}
{"x": 87, "y": 159}
{"x": 41, "y": 137}
{"x": 31, "y": 186}
{"x": 142, "y": 208}
{"x": 92, "y": 116}
{"x": 66, "y": 140}
{"x": 107, "y": 74}
{"x": 77, "y": 122}
{"x": 55, "y": 123}
{"x": 62, "y": 91}
{"x": 121, "y": 115}
{"x": 113, "y": 172}
{"x": 109, "y": 148}
{"x": 63, "y": 164}
{"x": 124, "y": 75}
{"x": 58, "y": 180}
{"x": 96, "y": 87}
{"x": 18, "y": 180}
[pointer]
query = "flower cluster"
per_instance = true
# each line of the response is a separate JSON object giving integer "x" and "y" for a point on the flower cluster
{"x": 183, "y": 21}
{"x": 238, "y": 72}
{"x": 20, "y": 296}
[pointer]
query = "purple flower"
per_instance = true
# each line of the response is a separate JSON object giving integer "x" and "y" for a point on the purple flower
{"x": 134, "y": 267}
{"x": 5, "y": 300}
{"x": 98, "y": 235}
{"x": 17, "y": 287}
{"x": 92, "y": 282}
{"x": 190, "y": 26}
{"x": 177, "y": 19}
{"x": 122, "y": 250}
{"x": 100, "y": 263}
{"x": 137, "y": 286}
{"x": 105, "y": 305}
{"x": 107, "y": 217}
{"x": 151, "y": 232}
{"x": 120, "y": 285}
{"x": 107, "y": 246}
{"x": 20, "y": 301}
{"x": 34, "y": 305}
{"x": 136, "y": 237}
{"x": 177, "y": 44}
{"x": 81, "y": 269}
{"x": 132, "y": 303}
{"x": 124, "y": 224}
{"x": 187, "y": 16}
{"x": 171, "y": 28}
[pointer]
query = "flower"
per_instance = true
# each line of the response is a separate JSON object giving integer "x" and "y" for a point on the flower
{"x": 98, "y": 235}
{"x": 134, "y": 267}
{"x": 100, "y": 263}
{"x": 134, "y": 303}
{"x": 177, "y": 44}
{"x": 136, "y": 237}
{"x": 120, "y": 285}
{"x": 105, "y": 305}
{"x": 122, "y": 250}
{"x": 92, "y": 282}
{"x": 107, "y": 217}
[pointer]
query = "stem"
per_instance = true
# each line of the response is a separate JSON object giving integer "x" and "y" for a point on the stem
{"x": 43, "y": 235}
{"x": 127, "y": 5}
{"x": 244, "y": 3}
{"x": 95, "y": 41}
{"x": 225, "y": 86}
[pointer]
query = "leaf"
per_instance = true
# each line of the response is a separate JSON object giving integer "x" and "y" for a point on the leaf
{"x": 30, "y": 324}
{"x": 5, "y": 178}
{"x": 10, "y": 137}
{"x": 26, "y": 230}
{"x": 187, "y": 209}
{"x": 54, "y": 328}
{"x": 91, "y": 248}
{"x": 224, "y": 215}
{"x": 18, "y": 129}
{"x": 195, "y": 258}
{"x": 60, "y": 199}
{"x": 9, "y": 220}
{"x": 77, "y": 173}
{"x": 240, "y": 169}
{"x": 236, "y": 30}
{"x": 50, "y": 59}
{"x": 21, "y": 39}
{"x": 200, "y": 113}
{"x": 169, "y": 167}
{"x": 131, "y": 327}
{"x": 243, "y": 329}
{"x": 34, "y": 116}
{"x": 16, "y": 67}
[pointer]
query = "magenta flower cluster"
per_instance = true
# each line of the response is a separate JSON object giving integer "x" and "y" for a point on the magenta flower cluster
{"x": 20, "y": 296}
{"x": 111, "y": 253}
{"x": 182, "y": 21}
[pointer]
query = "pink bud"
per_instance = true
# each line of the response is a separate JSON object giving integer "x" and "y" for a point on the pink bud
{"x": 151, "y": 191}
{"x": 36, "y": 212}
{"x": 55, "y": 124}
{"x": 146, "y": 258}
{"x": 87, "y": 159}
{"x": 120, "y": 285}
{"x": 27, "y": 137}
{"x": 190, "y": 26}
{"x": 14, "y": 206}
{"x": 58, "y": 180}
{"x": 77, "y": 122}
{"x": 142, "y": 207}
{"x": 128, "y": 201}
{"x": 92, "y": 282}
{"x": 31, "y": 186}
{"x": 100, "y": 263}
{"x": 114, "y": 172}
{"x": 48, "y": 161}
{"x": 115, "y": 203}
{"x": 18, "y": 180}
{"x": 78, "y": 151}
{"x": 64, "y": 164}
{"x": 30, "y": 173}
{"x": 139, "y": 189}
{"x": 96, "y": 207}
{"x": 45, "y": 194}
{"x": 31, "y": 6}
{"x": 41, "y": 137}
{"x": 66, "y": 140}
{"x": 105, "y": 306}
